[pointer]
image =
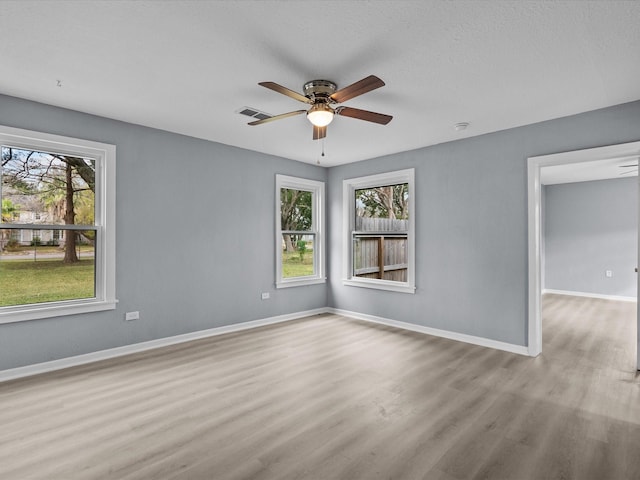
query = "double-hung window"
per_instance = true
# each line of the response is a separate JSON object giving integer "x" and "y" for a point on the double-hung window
{"x": 299, "y": 231}
{"x": 57, "y": 230}
{"x": 379, "y": 226}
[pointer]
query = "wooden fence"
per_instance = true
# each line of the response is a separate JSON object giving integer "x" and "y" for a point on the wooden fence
{"x": 381, "y": 252}
{"x": 366, "y": 224}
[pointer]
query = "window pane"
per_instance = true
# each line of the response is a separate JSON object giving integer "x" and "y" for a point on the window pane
{"x": 382, "y": 209}
{"x": 60, "y": 265}
{"x": 47, "y": 188}
{"x": 298, "y": 255}
{"x": 296, "y": 210}
{"x": 299, "y": 241}
{"x": 380, "y": 257}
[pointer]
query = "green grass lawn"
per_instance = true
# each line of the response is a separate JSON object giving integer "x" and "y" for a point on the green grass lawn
{"x": 293, "y": 267}
{"x": 26, "y": 281}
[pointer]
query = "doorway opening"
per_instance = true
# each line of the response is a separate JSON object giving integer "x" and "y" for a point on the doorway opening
{"x": 566, "y": 163}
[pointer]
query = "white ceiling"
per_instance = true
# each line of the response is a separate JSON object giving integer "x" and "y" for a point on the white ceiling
{"x": 611, "y": 168}
{"x": 187, "y": 67}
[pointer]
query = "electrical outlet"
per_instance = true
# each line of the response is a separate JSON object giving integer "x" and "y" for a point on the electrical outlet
{"x": 131, "y": 316}
{"x": 265, "y": 296}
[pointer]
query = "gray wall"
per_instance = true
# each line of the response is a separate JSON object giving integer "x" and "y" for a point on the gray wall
{"x": 195, "y": 246}
{"x": 591, "y": 227}
{"x": 195, "y": 238}
{"x": 471, "y": 224}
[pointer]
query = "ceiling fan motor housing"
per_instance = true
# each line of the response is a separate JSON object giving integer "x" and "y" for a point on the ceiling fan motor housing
{"x": 319, "y": 90}
{"x": 322, "y": 95}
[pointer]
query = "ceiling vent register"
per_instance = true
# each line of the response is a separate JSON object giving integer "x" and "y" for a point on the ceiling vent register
{"x": 254, "y": 113}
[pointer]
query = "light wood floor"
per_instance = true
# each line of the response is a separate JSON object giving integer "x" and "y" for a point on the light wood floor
{"x": 332, "y": 398}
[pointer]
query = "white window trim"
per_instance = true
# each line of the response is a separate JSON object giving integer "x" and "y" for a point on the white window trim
{"x": 105, "y": 222}
{"x": 317, "y": 189}
{"x": 349, "y": 186}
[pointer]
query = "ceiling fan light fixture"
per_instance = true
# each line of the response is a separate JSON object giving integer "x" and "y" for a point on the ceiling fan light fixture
{"x": 321, "y": 95}
{"x": 320, "y": 114}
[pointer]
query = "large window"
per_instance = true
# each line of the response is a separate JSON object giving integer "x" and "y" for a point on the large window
{"x": 57, "y": 230}
{"x": 299, "y": 231}
{"x": 379, "y": 231}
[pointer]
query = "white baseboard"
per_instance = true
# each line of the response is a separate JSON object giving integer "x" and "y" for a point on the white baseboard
{"x": 590, "y": 295}
{"x": 44, "y": 367}
{"x": 460, "y": 337}
{"x": 67, "y": 362}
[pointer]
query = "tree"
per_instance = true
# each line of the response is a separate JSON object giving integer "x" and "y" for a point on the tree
{"x": 390, "y": 201}
{"x": 9, "y": 209}
{"x": 296, "y": 214}
{"x": 58, "y": 182}
{"x": 302, "y": 249}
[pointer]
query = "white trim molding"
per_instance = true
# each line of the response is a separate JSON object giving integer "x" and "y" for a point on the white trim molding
{"x": 459, "y": 337}
{"x": 534, "y": 212}
{"x": 316, "y": 229}
{"x": 44, "y": 367}
{"x": 105, "y": 222}
{"x": 68, "y": 362}
{"x": 349, "y": 186}
{"x": 617, "y": 298}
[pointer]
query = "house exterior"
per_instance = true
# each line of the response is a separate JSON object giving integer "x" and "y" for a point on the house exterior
{"x": 35, "y": 237}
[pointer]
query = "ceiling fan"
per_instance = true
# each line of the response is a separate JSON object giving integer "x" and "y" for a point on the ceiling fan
{"x": 322, "y": 95}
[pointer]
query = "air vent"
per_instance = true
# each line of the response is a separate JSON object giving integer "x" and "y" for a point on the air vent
{"x": 253, "y": 113}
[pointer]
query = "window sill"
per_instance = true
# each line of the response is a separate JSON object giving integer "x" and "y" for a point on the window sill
{"x": 380, "y": 285}
{"x": 49, "y": 310}
{"x": 300, "y": 282}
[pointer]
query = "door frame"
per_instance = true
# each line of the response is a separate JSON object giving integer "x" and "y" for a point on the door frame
{"x": 534, "y": 196}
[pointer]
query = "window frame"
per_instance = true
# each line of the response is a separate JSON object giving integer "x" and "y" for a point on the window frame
{"x": 105, "y": 223}
{"x": 349, "y": 187}
{"x": 317, "y": 229}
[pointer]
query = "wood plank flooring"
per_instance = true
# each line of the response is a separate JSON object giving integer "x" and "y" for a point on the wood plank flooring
{"x": 333, "y": 398}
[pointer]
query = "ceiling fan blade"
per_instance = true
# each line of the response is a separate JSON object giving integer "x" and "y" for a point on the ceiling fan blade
{"x": 285, "y": 91}
{"x": 374, "y": 117}
{"x": 277, "y": 117}
{"x": 319, "y": 132}
{"x": 362, "y": 86}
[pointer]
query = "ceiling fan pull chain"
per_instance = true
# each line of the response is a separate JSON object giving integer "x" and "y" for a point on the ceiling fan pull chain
{"x": 322, "y": 153}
